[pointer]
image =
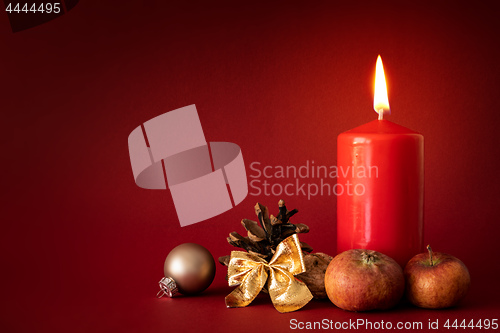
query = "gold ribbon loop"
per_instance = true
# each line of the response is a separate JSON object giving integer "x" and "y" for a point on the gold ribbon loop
{"x": 250, "y": 273}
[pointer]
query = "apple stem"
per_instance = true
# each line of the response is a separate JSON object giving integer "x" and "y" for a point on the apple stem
{"x": 368, "y": 258}
{"x": 430, "y": 254}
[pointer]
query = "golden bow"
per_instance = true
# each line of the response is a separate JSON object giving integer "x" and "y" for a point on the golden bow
{"x": 250, "y": 273}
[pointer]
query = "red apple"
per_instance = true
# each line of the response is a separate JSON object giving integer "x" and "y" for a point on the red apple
{"x": 436, "y": 280}
{"x": 362, "y": 280}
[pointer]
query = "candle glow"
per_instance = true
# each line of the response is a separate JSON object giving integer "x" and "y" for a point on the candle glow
{"x": 380, "y": 99}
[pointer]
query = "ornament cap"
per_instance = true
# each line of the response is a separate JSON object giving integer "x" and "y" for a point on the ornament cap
{"x": 167, "y": 287}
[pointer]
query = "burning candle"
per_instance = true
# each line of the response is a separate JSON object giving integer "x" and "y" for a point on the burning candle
{"x": 383, "y": 164}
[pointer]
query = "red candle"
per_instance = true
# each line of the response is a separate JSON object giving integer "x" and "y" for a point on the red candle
{"x": 381, "y": 169}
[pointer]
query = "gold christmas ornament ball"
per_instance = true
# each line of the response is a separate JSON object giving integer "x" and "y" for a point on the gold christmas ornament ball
{"x": 191, "y": 267}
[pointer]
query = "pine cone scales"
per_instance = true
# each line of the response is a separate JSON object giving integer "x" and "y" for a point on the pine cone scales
{"x": 262, "y": 239}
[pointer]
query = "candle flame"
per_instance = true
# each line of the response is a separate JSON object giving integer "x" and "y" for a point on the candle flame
{"x": 380, "y": 99}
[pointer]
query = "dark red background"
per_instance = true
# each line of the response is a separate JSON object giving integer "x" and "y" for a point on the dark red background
{"x": 82, "y": 247}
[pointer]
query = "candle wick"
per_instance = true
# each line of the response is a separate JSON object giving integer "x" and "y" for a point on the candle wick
{"x": 381, "y": 114}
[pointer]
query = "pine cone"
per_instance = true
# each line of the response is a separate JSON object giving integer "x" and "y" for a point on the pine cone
{"x": 262, "y": 239}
